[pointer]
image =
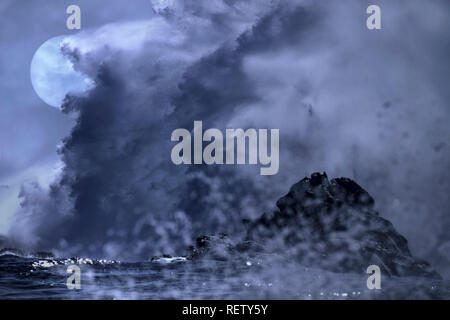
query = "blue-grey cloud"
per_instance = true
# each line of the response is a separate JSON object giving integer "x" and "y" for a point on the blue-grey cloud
{"x": 369, "y": 105}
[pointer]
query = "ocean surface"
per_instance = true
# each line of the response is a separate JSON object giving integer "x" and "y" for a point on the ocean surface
{"x": 28, "y": 277}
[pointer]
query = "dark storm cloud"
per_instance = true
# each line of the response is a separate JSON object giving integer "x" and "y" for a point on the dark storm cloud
{"x": 117, "y": 168}
{"x": 369, "y": 105}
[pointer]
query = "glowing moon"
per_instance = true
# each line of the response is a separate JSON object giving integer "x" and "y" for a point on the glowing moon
{"x": 53, "y": 76}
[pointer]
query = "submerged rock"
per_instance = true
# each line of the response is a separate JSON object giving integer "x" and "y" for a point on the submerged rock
{"x": 7, "y": 247}
{"x": 12, "y": 251}
{"x": 25, "y": 254}
{"x": 331, "y": 225}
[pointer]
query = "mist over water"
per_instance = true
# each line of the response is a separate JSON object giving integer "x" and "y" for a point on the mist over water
{"x": 371, "y": 106}
{"x": 39, "y": 278}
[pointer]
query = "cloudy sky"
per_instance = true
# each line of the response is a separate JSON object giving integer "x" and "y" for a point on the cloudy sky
{"x": 32, "y": 129}
{"x": 368, "y": 105}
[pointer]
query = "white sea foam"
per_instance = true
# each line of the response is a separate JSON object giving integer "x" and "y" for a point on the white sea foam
{"x": 169, "y": 259}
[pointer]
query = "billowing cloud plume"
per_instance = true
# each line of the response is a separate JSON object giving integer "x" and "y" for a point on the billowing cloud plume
{"x": 369, "y": 105}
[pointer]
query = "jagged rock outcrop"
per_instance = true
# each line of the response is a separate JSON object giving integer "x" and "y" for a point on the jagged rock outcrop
{"x": 324, "y": 224}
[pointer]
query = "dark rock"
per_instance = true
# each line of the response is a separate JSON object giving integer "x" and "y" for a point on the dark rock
{"x": 216, "y": 247}
{"x": 22, "y": 253}
{"x": 222, "y": 248}
{"x": 12, "y": 251}
{"x": 324, "y": 224}
{"x": 43, "y": 255}
{"x": 4, "y": 242}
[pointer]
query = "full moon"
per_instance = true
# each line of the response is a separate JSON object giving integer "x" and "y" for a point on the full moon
{"x": 53, "y": 75}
